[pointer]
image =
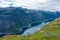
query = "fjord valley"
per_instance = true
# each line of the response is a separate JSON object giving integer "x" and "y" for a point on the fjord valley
{"x": 51, "y": 31}
{"x": 16, "y": 20}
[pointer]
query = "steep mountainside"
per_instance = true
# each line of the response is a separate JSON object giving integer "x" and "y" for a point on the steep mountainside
{"x": 14, "y": 20}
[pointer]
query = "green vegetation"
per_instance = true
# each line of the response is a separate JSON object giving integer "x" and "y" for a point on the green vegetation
{"x": 51, "y": 31}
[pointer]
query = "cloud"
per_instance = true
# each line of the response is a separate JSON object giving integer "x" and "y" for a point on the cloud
{"x": 32, "y": 4}
{"x": 52, "y": 5}
{"x": 22, "y": 3}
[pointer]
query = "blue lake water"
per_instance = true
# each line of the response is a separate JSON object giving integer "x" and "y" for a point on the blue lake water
{"x": 36, "y": 27}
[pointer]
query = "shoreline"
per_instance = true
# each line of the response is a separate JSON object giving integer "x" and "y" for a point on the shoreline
{"x": 37, "y": 28}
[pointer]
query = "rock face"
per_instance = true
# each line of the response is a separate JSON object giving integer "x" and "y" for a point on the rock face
{"x": 15, "y": 20}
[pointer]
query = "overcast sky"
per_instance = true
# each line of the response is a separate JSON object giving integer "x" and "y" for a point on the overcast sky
{"x": 33, "y": 4}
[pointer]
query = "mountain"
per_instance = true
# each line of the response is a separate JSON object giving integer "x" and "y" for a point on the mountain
{"x": 14, "y": 20}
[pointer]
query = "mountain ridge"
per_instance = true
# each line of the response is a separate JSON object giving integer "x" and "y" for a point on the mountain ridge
{"x": 14, "y": 19}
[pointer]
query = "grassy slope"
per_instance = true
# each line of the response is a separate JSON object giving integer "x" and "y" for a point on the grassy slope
{"x": 51, "y": 31}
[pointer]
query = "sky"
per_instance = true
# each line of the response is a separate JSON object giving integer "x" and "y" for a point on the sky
{"x": 32, "y": 4}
